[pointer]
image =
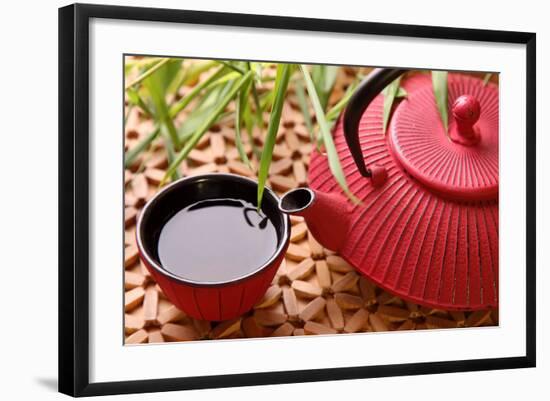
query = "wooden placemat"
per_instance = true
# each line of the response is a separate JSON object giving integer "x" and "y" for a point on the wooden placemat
{"x": 314, "y": 292}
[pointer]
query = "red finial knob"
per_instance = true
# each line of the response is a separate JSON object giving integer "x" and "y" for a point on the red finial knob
{"x": 466, "y": 111}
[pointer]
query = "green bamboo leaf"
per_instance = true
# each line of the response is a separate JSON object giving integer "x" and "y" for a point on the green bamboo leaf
{"x": 136, "y": 100}
{"x": 439, "y": 83}
{"x": 324, "y": 78}
{"x": 133, "y": 152}
{"x": 250, "y": 123}
{"x": 190, "y": 74}
{"x": 257, "y": 106}
{"x": 401, "y": 93}
{"x": 148, "y": 73}
{"x": 145, "y": 62}
{"x": 257, "y": 68}
{"x": 161, "y": 111}
{"x": 335, "y": 111}
{"x": 232, "y": 66}
{"x": 390, "y": 93}
{"x": 206, "y": 106}
{"x": 175, "y": 85}
{"x": 166, "y": 75}
{"x": 257, "y": 121}
{"x": 281, "y": 84}
{"x": 157, "y": 84}
{"x": 181, "y": 104}
{"x": 193, "y": 122}
{"x": 331, "y": 73}
{"x": 487, "y": 78}
{"x": 127, "y": 68}
{"x": 242, "y": 98}
{"x": 213, "y": 94}
{"x": 248, "y": 120}
{"x": 302, "y": 101}
{"x": 333, "y": 160}
{"x": 128, "y": 112}
{"x": 170, "y": 155}
{"x": 228, "y": 77}
{"x": 265, "y": 101}
{"x": 192, "y": 141}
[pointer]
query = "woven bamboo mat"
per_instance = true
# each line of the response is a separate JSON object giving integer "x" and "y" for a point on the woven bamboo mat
{"x": 314, "y": 292}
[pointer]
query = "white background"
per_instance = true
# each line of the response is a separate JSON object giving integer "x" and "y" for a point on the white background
{"x": 28, "y": 168}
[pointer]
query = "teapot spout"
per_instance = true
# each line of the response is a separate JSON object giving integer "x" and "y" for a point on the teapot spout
{"x": 326, "y": 214}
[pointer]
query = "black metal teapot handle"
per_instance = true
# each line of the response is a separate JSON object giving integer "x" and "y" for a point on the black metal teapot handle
{"x": 365, "y": 93}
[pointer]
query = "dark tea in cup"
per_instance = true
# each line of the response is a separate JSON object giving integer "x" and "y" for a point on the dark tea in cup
{"x": 208, "y": 246}
{"x": 216, "y": 240}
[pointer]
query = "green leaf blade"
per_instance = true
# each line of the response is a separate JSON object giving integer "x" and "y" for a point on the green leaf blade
{"x": 439, "y": 84}
{"x": 401, "y": 93}
{"x": 157, "y": 84}
{"x": 136, "y": 100}
{"x": 171, "y": 154}
{"x": 334, "y": 161}
{"x": 133, "y": 152}
{"x": 335, "y": 111}
{"x": 302, "y": 101}
{"x": 197, "y": 135}
{"x": 239, "y": 112}
{"x": 324, "y": 78}
{"x": 148, "y": 73}
{"x": 390, "y": 93}
{"x": 281, "y": 84}
{"x": 181, "y": 104}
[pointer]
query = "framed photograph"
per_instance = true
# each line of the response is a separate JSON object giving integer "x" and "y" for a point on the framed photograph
{"x": 250, "y": 199}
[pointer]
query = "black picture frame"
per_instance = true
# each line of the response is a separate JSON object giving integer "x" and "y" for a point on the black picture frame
{"x": 74, "y": 198}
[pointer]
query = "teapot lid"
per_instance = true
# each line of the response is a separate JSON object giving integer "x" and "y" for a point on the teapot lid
{"x": 461, "y": 162}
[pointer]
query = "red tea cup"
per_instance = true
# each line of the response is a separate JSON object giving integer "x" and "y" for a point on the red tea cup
{"x": 220, "y": 300}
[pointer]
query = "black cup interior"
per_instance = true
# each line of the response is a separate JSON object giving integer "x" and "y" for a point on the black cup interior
{"x": 191, "y": 190}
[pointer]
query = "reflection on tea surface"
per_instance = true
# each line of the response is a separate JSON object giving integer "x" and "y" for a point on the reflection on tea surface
{"x": 216, "y": 240}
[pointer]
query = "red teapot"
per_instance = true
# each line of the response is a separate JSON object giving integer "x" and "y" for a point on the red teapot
{"x": 426, "y": 229}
